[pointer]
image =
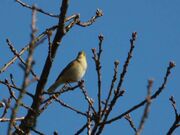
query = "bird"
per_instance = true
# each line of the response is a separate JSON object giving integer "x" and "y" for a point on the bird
{"x": 73, "y": 72}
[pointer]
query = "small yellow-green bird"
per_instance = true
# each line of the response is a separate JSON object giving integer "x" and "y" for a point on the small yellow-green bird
{"x": 73, "y": 72}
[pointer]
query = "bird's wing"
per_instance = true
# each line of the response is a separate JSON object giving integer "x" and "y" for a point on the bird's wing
{"x": 65, "y": 69}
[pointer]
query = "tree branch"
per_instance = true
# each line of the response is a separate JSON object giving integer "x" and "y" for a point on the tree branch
{"x": 157, "y": 93}
{"x": 177, "y": 117}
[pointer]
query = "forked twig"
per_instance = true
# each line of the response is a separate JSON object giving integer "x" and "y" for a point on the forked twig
{"x": 159, "y": 90}
{"x": 175, "y": 124}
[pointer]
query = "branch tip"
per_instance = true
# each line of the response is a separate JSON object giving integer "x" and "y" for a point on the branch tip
{"x": 101, "y": 37}
{"x": 172, "y": 64}
{"x": 99, "y": 12}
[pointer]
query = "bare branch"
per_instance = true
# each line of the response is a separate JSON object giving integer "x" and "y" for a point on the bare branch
{"x": 36, "y": 8}
{"x": 30, "y": 119}
{"x": 147, "y": 107}
{"x": 131, "y": 123}
{"x": 173, "y": 102}
{"x": 35, "y": 41}
{"x": 89, "y": 121}
{"x": 99, "y": 13}
{"x": 18, "y": 89}
{"x": 69, "y": 107}
{"x": 19, "y": 57}
{"x": 7, "y": 119}
{"x": 88, "y": 99}
{"x": 177, "y": 117}
{"x": 37, "y": 132}
{"x": 81, "y": 129}
{"x": 117, "y": 91}
{"x": 159, "y": 90}
{"x": 96, "y": 58}
{"x": 26, "y": 73}
{"x": 116, "y": 63}
{"x": 6, "y": 104}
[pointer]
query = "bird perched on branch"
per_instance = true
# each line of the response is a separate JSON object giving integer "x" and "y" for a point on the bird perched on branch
{"x": 73, "y": 72}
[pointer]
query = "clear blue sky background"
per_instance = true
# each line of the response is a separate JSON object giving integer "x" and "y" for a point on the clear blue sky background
{"x": 157, "y": 24}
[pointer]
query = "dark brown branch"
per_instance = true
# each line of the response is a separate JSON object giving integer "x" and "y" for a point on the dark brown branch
{"x": 88, "y": 99}
{"x": 49, "y": 33}
{"x": 131, "y": 123}
{"x": 147, "y": 107}
{"x": 96, "y": 58}
{"x": 173, "y": 102}
{"x": 116, "y": 63}
{"x": 12, "y": 80}
{"x": 36, "y": 8}
{"x": 154, "y": 96}
{"x": 99, "y": 13}
{"x": 43, "y": 34}
{"x": 37, "y": 132}
{"x": 177, "y": 117}
{"x": 19, "y": 57}
{"x": 12, "y": 95}
{"x": 64, "y": 89}
{"x": 118, "y": 90}
{"x": 81, "y": 129}
{"x": 35, "y": 41}
{"x": 174, "y": 126}
{"x": 18, "y": 89}
{"x": 55, "y": 133}
{"x": 31, "y": 118}
{"x": 69, "y": 107}
{"x": 49, "y": 100}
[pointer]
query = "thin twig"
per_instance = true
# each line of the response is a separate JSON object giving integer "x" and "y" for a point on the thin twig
{"x": 147, "y": 108}
{"x": 37, "y": 132}
{"x": 55, "y": 133}
{"x": 89, "y": 121}
{"x": 68, "y": 106}
{"x": 12, "y": 95}
{"x": 88, "y": 99}
{"x": 7, "y": 119}
{"x": 116, "y": 63}
{"x": 19, "y": 57}
{"x": 72, "y": 23}
{"x": 173, "y": 103}
{"x": 81, "y": 129}
{"x": 18, "y": 89}
{"x": 154, "y": 96}
{"x": 12, "y": 80}
{"x": 6, "y": 105}
{"x": 176, "y": 124}
{"x": 131, "y": 123}
{"x": 36, "y": 8}
{"x": 35, "y": 41}
{"x": 122, "y": 76}
{"x": 97, "y": 57}
{"x": 64, "y": 89}
{"x": 99, "y": 13}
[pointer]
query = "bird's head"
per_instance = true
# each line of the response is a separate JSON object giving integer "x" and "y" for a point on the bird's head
{"x": 81, "y": 54}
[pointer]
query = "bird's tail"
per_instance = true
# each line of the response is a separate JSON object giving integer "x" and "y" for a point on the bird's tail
{"x": 53, "y": 87}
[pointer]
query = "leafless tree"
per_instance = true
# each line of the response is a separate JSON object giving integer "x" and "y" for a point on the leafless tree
{"x": 97, "y": 117}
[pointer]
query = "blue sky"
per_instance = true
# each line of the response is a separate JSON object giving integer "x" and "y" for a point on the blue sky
{"x": 157, "y": 24}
